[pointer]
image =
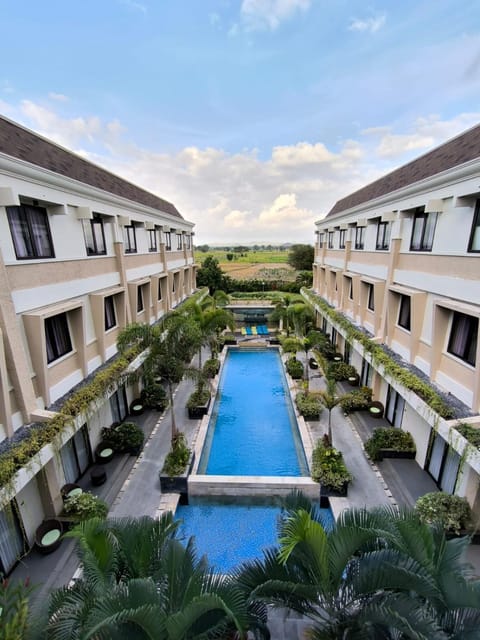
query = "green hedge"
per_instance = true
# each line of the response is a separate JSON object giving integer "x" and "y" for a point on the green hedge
{"x": 294, "y": 368}
{"x": 389, "y": 438}
{"x": 356, "y": 400}
{"x": 309, "y": 406}
{"x": 328, "y": 467}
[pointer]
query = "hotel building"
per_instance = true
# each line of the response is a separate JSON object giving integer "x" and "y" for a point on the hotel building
{"x": 397, "y": 268}
{"x": 82, "y": 253}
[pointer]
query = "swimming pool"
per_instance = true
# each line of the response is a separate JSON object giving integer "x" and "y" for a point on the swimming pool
{"x": 233, "y": 530}
{"x": 253, "y": 430}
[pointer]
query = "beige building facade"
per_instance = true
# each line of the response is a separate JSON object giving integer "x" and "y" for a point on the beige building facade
{"x": 82, "y": 253}
{"x": 399, "y": 260}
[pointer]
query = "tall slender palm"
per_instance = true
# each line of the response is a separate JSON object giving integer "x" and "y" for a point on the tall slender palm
{"x": 171, "y": 345}
{"x": 329, "y": 398}
{"x": 140, "y": 582}
{"x": 375, "y": 574}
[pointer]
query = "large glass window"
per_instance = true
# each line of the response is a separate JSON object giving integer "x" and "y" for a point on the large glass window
{"x": 179, "y": 241}
{"x": 118, "y": 404}
{"x": 330, "y": 239}
{"x": 140, "y": 305}
{"x": 341, "y": 242}
{"x": 30, "y": 232}
{"x": 168, "y": 240}
{"x": 94, "y": 236}
{"x": 474, "y": 244}
{"x": 404, "y": 312}
{"x": 321, "y": 240}
{"x": 423, "y": 230}
{"x": 57, "y": 336}
{"x": 76, "y": 455}
{"x": 463, "y": 337}
{"x": 359, "y": 237}
{"x": 110, "y": 317}
{"x": 371, "y": 297}
{"x": 152, "y": 240}
{"x": 130, "y": 239}
{"x": 188, "y": 242}
{"x": 383, "y": 236}
{"x": 12, "y": 544}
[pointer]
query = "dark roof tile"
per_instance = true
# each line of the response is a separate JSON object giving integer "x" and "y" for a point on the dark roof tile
{"x": 459, "y": 150}
{"x": 25, "y": 145}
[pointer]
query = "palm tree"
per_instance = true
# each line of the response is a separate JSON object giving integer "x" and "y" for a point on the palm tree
{"x": 170, "y": 345}
{"x": 329, "y": 398}
{"x": 374, "y": 574}
{"x": 280, "y": 313}
{"x": 140, "y": 582}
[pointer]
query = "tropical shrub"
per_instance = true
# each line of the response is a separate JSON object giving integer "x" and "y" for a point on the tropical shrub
{"x": 356, "y": 400}
{"x": 124, "y": 437}
{"x": 178, "y": 456}
{"x": 472, "y": 434}
{"x": 154, "y": 396}
{"x": 452, "y": 512}
{"x": 340, "y": 371}
{"x": 328, "y": 467}
{"x": 308, "y": 405}
{"x": 85, "y": 506}
{"x": 198, "y": 398}
{"x": 294, "y": 368}
{"x": 211, "y": 367}
{"x": 389, "y": 438}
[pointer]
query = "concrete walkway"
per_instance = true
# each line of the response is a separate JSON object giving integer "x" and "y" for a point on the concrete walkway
{"x": 133, "y": 489}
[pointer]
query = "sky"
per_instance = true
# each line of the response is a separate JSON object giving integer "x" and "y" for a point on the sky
{"x": 252, "y": 116}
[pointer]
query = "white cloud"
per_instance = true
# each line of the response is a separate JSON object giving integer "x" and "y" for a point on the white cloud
{"x": 269, "y": 14}
{"x": 240, "y": 197}
{"x": 137, "y": 6}
{"x": 372, "y": 25}
{"x": 59, "y": 97}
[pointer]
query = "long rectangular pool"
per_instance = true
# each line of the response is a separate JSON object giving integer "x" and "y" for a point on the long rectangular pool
{"x": 253, "y": 429}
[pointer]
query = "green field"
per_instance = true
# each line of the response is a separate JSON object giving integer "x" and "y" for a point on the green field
{"x": 248, "y": 257}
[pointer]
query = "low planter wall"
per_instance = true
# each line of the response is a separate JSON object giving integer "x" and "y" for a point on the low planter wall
{"x": 177, "y": 484}
{"x": 395, "y": 453}
{"x": 329, "y": 492}
{"x": 199, "y": 411}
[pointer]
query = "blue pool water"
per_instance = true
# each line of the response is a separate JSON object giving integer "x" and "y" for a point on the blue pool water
{"x": 230, "y": 533}
{"x": 253, "y": 429}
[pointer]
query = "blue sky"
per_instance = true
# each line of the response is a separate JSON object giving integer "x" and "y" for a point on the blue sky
{"x": 252, "y": 116}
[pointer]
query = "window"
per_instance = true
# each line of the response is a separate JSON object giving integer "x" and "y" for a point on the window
{"x": 463, "y": 337}
{"x": 75, "y": 455}
{"x": 371, "y": 297}
{"x": 94, "y": 237}
{"x": 139, "y": 299}
{"x": 118, "y": 404}
{"x": 159, "y": 290}
{"x": 342, "y": 238}
{"x": 383, "y": 236}
{"x": 474, "y": 244}
{"x": 152, "y": 240}
{"x": 168, "y": 240}
{"x": 330, "y": 239}
{"x": 110, "y": 317}
{"x": 350, "y": 288}
{"x": 57, "y": 336}
{"x": 30, "y": 232}
{"x": 423, "y": 230}
{"x": 129, "y": 239}
{"x": 179, "y": 241}
{"x": 404, "y": 312}
{"x": 321, "y": 240}
{"x": 188, "y": 242}
{"x": 359, "y": 237}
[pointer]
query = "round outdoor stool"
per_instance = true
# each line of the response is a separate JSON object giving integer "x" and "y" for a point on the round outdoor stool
{"x": 98, "y": 475}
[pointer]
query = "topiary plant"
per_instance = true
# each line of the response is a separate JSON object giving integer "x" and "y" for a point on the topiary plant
{"x": 451, "y": 511}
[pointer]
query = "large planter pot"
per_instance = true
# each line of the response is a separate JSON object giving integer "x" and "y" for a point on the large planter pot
{"x": 177, "y": 484}
{"x": 376, "y": 409}
{"x": 312, "y": 363}
{"x": 354, "y": 381}
{"x": 329, "y": 492}
{"x": 104, "y": 452}
{"x": 48, "y": 536}
{"x": 200, "y": 410}
{"x": 137, "y": 408}
{"x": 395, "y": 453}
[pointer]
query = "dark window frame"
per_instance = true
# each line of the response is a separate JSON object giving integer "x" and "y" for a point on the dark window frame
{"x": 423, "y": 220}
{"x": 321, "y": 240}
{"x": 475, "y": 232}
{"x": 140, "y": 300}
{"x": 168, "y": 240}
{"x": 370, "y": 297}
{"x": 404, "y": 312}
{"x": 188, "y": 242}
{"x": 23, "y": 220}
{"x": 152, "y": 240}
{"x": 463, "y": 337}
{"x": 341, "y": 241}
{"x": 110, "y": 314}
{"x": 57, "y": 337}
{"x": 383, "y": 236}
{"x": 130, "y": 238}
{"x": 179, "y": 242}
{"x": 360, "y": 238}
{"x": 330, "y": 239}
{"x": 95, "y": 223}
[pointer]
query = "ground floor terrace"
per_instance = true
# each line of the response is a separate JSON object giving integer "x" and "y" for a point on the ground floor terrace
{"x": 132, "y": 486}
